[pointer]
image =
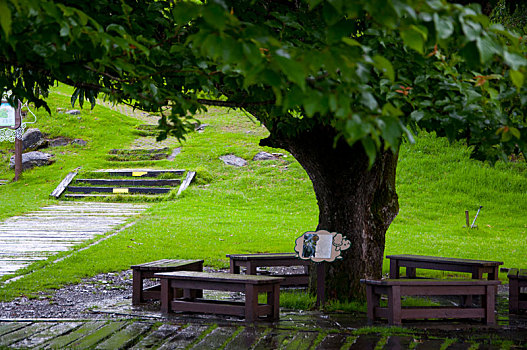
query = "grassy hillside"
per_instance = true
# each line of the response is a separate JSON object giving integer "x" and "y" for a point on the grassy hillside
{"x": 264, "y": 206}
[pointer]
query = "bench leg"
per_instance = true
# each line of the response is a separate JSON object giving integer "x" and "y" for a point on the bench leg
{"x": 372, "y": 300}
{"x": 410, "y": 272}
{"x": 394, "y": 269}
{"x": 233, "y": 268}
{"x": 251, "y": 268}
{"x": 251, "y": 302}
{"x": 394, "y": 306}
{"x": 167, "y": 295}
{"x": 489, "y": 304}
{"x": 514, "y": 296}
{"x": 137, "y": 287}
{"x": 273, "y": 298}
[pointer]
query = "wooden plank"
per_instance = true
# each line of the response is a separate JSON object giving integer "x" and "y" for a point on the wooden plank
{"x": 46, "y": 335}
{"x": 130, "y": 182}
{"x": 63, "y": 341}
{"x": 8, "y": 327}
{"x": 184, "y": 338}
{"x": 83, "y": 189}
{"x": 157, "y": 337}
{"x": 222, "y": 308}
{"x": 91, "y": 339}
{"x": 125, "y": 337}
{"x": 215, "y": 339}
{"x": 64, "y": 183}
{"x": 144, "y": 172}
{"x": 98, "y": 195}
{"x": 23, "y": 333}
{"x": 248, "y": 337}
{"x": 186, "y": 182}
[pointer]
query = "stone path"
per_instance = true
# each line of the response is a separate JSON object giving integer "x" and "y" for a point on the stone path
{"x": 49, "y": 230}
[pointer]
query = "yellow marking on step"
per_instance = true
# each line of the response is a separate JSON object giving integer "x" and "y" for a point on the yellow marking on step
{"x": 139, "y": 173}
{"x": 120, "y": 190}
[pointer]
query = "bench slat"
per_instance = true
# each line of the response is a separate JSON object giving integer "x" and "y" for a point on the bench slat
{"x": 219, "y": 277}
{"x": 430, "y": 282}
{"x": 522, "y": 274}
{"x": 438, "y": 259}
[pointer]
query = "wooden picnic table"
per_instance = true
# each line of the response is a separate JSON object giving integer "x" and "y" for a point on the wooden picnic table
{"x": 412, "y": 262}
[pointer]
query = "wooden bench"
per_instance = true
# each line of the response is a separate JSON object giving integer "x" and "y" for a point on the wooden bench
{"x": 248, "y": 284}
{"x": 148, "y": 270}
{"x": 517, "y": 299}
{"x": 475, "y": 267}
{"x": 397, "y": 288}
{"x": 252, "y": 261}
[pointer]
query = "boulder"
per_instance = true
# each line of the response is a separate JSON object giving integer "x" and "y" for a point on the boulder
{"x": 231, "y": 159}
{"x": 32, "y": 159}
{"x": 264, "y": 156}
{"x": 33, "y": 140}
{"x": 79, "y": 142}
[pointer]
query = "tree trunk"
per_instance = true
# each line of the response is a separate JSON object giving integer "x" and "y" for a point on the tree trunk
{"x": 354, "y": 200}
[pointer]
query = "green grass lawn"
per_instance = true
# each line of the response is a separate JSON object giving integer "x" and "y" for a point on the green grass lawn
{"x": 265, "y": 206}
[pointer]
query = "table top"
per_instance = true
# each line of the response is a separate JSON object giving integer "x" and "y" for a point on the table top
{"x": 164, "y": 264}
{"x": 444, "y": 260}
{"x": 263, "y": 256}
{"x": 219, "y": 277}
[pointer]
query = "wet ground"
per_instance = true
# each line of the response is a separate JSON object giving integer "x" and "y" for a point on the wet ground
{"x": 97, "y": 313}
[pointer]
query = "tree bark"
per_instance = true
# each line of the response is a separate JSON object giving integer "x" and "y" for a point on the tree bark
{"x": 354, "y": 200}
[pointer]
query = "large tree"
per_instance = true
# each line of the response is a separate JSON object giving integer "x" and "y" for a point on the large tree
{"x": 337, "y": 83}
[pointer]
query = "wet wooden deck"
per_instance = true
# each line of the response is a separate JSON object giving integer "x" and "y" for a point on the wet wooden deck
{"x": 42, "y": 233}
{"x": 149, "y": 334}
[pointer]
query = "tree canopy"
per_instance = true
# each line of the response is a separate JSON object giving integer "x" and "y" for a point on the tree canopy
{"x": 369, "y": 69}
{"x": 337, "y": 83}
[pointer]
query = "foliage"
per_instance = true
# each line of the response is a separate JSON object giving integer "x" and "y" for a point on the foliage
{"x": 292, "y": 64}
{"x": 512, "y": 14}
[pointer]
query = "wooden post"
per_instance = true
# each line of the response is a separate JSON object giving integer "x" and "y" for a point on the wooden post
{"x": 18, "y": 145}
{"x": 321, "y": 284}
{"x": 467, "y": 218}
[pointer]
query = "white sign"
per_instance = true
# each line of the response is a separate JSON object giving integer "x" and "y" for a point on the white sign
{"x": 321, "y": 246}
{"x": 7, "y": 115}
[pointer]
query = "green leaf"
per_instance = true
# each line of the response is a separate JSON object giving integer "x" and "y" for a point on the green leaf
{"x": 351, "y": 42}
{"x": 471, "y": 54}
{"x": 443, "y": 26}
{"x": 370, "y": 149}
{"x": 517, "y": 78}
{"x": 472, "y": 30}
{"x": 515, "y": 132}
{"x": 5, "y": 17}
{"x": 384, "y": 66}
{"x": 417, "y": 115}
{"x": 391, "y": 130}
{"x": 293, "y": 70}
{"x": 514, "y": 60}
{"x": 414, "y": 37}
{"x": 487, "y": 48}
{"x": 369, "y": 101}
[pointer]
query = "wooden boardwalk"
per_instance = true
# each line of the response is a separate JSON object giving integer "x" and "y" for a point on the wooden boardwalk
{"x": 40, "y": 234}
{"x": 149, "y": 334}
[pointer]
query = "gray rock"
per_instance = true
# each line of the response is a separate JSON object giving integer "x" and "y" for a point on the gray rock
{"x": 79, "y": 142}
{"x": 59, "y": 141}
{"x": 33, "y": 140}
{"x": 264, "y": 156}
{"x": 32, "y": 159}
{"x": 231, "y": 159}
{"x": 73, "y": 112}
